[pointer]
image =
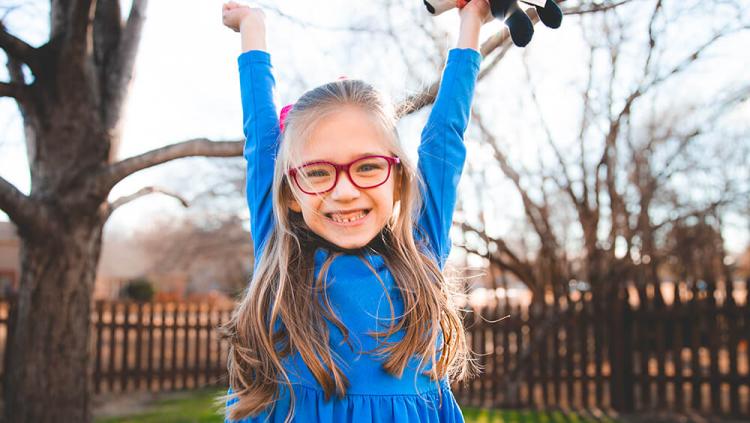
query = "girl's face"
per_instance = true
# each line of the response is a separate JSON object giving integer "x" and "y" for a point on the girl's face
{"x": 341, "y": 137}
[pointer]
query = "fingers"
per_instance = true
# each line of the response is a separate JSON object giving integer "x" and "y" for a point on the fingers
{"x": 230, "y": 5}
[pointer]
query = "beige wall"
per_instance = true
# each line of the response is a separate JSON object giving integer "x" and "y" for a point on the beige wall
{"x": 10, "y": 268}
{"x": 109, "y": 279}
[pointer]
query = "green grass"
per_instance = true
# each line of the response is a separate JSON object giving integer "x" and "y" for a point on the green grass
{"x": 197, "y": 407}
{"x": 194, "y": 407}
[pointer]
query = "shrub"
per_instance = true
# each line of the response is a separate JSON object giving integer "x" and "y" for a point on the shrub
{"x": 139, "y": 289}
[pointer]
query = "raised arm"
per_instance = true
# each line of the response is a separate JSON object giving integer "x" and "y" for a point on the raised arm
{"x": 260, "y": 120}
{"x": 442, "y": 151}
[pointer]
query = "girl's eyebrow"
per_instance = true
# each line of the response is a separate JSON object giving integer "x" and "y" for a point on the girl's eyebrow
{"x": 358, "y": 156}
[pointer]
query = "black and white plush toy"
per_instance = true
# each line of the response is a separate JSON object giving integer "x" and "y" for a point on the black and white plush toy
{"x": 519, "y": 24}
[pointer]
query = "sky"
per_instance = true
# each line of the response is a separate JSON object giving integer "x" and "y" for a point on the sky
{"x": 186, "y": 86}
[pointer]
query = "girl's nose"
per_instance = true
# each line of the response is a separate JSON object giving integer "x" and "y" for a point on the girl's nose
{"x": 344, "y": 189}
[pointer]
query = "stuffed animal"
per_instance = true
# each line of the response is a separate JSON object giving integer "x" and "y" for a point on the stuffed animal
{"x": 519, "y": 24}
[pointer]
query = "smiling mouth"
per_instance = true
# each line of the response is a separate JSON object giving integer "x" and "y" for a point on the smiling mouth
{"x": 348, "y": 217}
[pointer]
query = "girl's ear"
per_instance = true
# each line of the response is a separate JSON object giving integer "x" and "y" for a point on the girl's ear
{"x": 294, "y": 205}
{"x": 397, "y": 186}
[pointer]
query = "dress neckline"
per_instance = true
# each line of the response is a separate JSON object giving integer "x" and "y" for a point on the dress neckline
{"x": 349, "y": 258}
{"x": 373, "y": 252}
{"x": 375, "y": 247}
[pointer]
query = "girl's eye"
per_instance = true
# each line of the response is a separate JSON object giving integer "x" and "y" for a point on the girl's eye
{"x": 317, "y": 173}
{"x": 371, "y": 166}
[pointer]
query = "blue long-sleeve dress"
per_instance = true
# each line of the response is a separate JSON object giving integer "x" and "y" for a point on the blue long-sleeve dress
{"x": 353, "y": 290}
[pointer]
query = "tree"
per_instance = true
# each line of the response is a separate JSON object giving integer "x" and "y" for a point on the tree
{"x": 695, "y": 248}
{"x": 630, "y": 172}
{"x": 71, "y": 111}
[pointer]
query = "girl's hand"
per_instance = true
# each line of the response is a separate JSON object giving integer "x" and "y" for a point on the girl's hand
{"x": 477, "y": 10}
{"x": 475, "y": 14}
{"x": 235, "y": 15}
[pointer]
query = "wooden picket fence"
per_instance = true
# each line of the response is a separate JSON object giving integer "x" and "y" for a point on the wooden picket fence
{"x": 151, "y": 346}
{"x": 688, "y": 354}
{"x": 157, "y": 346}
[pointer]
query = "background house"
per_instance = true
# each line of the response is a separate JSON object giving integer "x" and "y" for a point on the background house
{"x": 126, "y": 257}
{"x": 10, "y": 268}
{"x": 123, "y": 259}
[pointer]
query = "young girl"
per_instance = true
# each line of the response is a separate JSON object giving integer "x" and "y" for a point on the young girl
{"x": 348, "y": 316}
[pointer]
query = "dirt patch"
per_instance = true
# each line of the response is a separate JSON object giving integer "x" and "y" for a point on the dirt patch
{"x": 123, "y": 404}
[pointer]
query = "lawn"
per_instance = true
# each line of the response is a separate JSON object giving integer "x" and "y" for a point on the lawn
{"x": 192, "y": 407}
{"x": 197, "y": 407}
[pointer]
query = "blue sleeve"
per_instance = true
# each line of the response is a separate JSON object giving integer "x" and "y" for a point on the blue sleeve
{"x": 226, "y": 410}
{"x": 261, "y": 129}
{"x": 442, "y": 151}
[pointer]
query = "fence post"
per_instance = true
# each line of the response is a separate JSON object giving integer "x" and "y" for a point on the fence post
{"x": 621, "y": 352}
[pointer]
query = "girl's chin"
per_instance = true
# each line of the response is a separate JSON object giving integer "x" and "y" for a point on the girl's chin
{"x": 350, "y": 239}
{"x": 350, "y": 244}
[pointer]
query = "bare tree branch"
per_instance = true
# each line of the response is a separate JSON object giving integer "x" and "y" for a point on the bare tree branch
{"x": 585, "y": 122}
{"x": 501, "y": 40}
{"x": 537, "y": 215}
{"x": 274, "y": 8}
{"x": 131, "y": 36}
{"x": 594, "y": 8}
{"x": 652, "y": 37}
{"x": 685, "y": 63}
{"x": 503, "y": 257}
{"x": 71, "y": 23}
{"x": 16, "y": 48}
{"x": 418, "y": 101}
{"x": 567, "y": 185}
{"x": 706, "y": 210}
{"x": 28, "y": 215}
{"x": 107, "y": 34}
{"x": 115, "y": 49}
{"x": 495, "y": 60}
{"x": 15, "y": 69}
{"x": 111, "y": 207}
{"x": 197, "y": 147}
{"x": 10, "y": 90}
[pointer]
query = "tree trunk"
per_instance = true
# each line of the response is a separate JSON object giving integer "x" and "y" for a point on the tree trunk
{"x": 46, "y": 375}
{"x": 47, "y": 366}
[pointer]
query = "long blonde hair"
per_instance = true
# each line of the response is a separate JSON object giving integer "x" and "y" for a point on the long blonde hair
{"x": 282, "y": 288}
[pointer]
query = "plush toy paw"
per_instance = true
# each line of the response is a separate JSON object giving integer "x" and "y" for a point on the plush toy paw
{"x": 519, "y": 24}
{"x": 550, "y": 14}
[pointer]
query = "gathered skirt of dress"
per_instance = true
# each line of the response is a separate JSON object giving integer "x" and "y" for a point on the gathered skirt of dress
{"x": 311, "y": 406}
{"x": 373, "y": 395}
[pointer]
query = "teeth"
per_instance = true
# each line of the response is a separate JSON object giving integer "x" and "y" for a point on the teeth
{"x": 339, "y": 219}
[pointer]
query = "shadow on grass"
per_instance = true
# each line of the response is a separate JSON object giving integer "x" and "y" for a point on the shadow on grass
{"x": 477, "y": 415}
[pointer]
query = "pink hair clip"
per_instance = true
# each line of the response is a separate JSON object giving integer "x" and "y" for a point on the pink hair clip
{"x": 282, "y": 116}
